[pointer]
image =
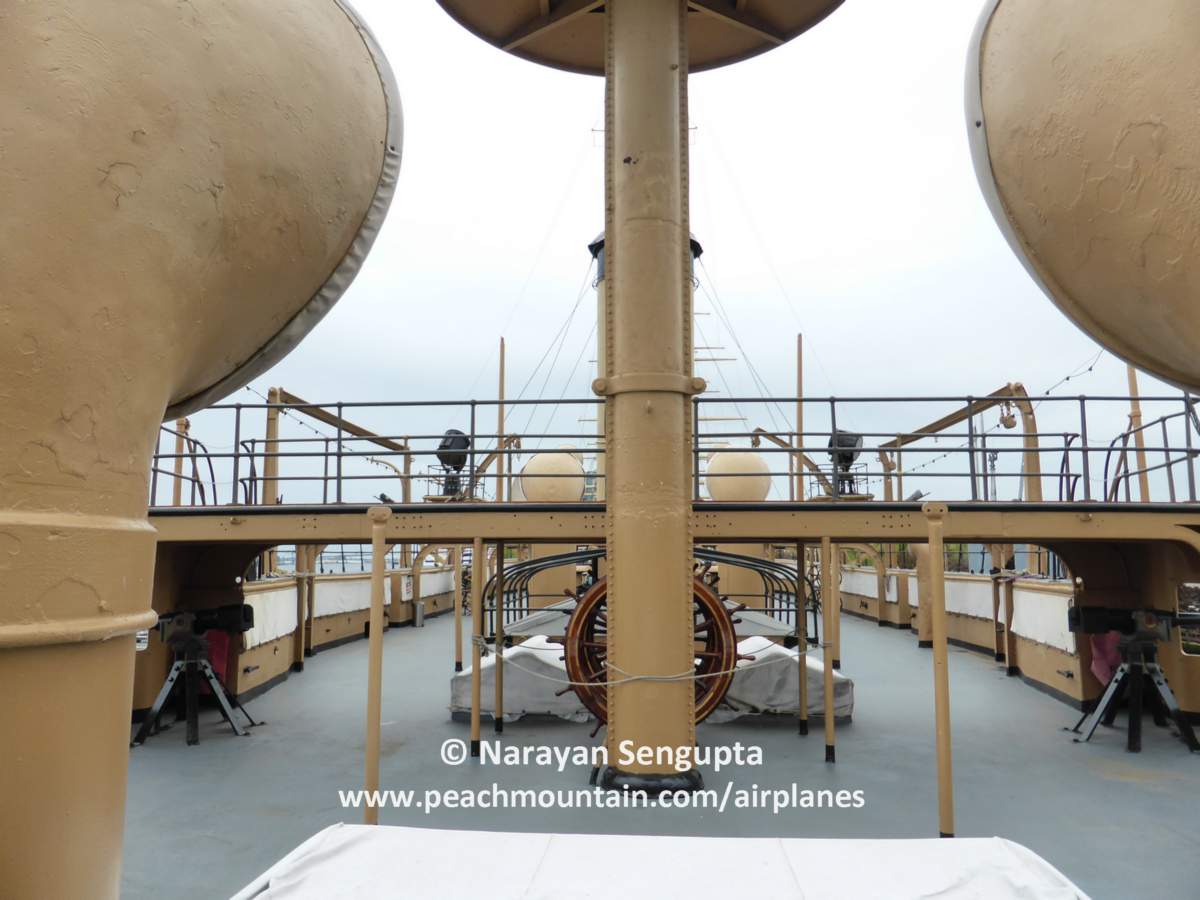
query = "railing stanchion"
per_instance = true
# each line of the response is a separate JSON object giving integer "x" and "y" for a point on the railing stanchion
{"x": 338, "y": 486}
{"x": 971, "y": 448}
{"x": 837, "y": 486}
{"x": 1083, "y": 448}
{"x": 1187, "y": 431}
{"x": 1168, "y": 462}
{"x": 696, "y": 448}
{"x": 471, "y": 464}
{"x": 237, "y": 448}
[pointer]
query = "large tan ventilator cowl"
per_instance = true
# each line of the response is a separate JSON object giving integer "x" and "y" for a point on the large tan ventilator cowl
{"x": 1086, "y": 136}
{"x": 185, "y": 189}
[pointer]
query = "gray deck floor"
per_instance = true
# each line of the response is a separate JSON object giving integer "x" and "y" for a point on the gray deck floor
{"x": 202, "y": 821}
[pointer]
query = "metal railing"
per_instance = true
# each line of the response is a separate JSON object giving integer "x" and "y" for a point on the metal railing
{"x": 1055, "y": 458}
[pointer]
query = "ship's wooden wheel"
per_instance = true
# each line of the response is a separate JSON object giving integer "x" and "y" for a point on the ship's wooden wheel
{"x": 587, "y": 649}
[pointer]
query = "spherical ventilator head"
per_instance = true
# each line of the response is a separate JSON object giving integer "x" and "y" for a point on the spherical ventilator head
{"x": 737, "y": 477}
{"x": 1085, "y": 131}
{"x": 569, "y": 34}
{"x": 552, "y": 478}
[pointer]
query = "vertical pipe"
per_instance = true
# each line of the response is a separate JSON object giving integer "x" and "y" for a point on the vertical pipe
{"x": 501, "y": 457}
{"x": 271, "y": 451}
{"x": 181, "y": 433}
{"x": 338, "y": 485}
{"x": 271, "y": 468}
{"x": 458, "y": 599}
{"x": 237, "y": 449}
{"x": 924, "y": 631}
{"x": 499, "y": 630}
{"x": 302, "y": 568}
{"x": 826, "y": 647}
{"x": 647, "y": 385}
{"x": 378, "y": 516}
{"x": 1010, "y": 639}
{"x": 971, "y": 449}
{"x": 1083, "y": 435}
{"x": 934, "y": 516}
{"x": 1187, "y": 432}
{"x": 1168, "y": 463}
{"x": 471, "y": 459}
{"x": 310, "y": 621}
{"x": 802, "y": 639}
{"x": 478, "y": 573}
{"x": 835, "y": 590}
{"x": 799, "y": 419}
{"x": 1139, "y": 439}
{"x": 837, "y": 481}
{"x": 899, "y": 470}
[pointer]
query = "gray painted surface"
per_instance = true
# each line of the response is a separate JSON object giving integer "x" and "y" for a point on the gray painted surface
{"x": 203, "y": 821}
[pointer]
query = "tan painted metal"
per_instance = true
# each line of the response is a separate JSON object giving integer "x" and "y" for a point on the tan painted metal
{"x": 502, "y": 464}
{"x": 270, "y": 484}
{"x": 1013, "y": 394}
{"x": 499, "y": 700}
{"x": 648, "y": 378}
{"x": 935, "y": 514}
{"x": 457, "y": 553}
{"x": 304, "y": 563}
{"x": 761, "y": 434}
{"x": 834, "y": 637}
{"x": 182, "y": 426}
{"x": 320, "y": 414}
{"x": 799, "y": 441}
{"x": 571, "y": 34}
{"x": 378, "y": 516}
{"x": 802, "y": 639}
{"x": 584, "y": 524}
{"x": 1139, "y": 439}
{"x": 924, "y": 595}
{"x": 166, "y": 216}
{"x": 1085, "y": 128}
{"x": 827, "y": 555}
{"x": 478, "y": 576}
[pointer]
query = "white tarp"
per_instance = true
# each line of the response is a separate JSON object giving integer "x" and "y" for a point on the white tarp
{"x": 763, "y": 685}
{"x": 274, "y": 613}
{"x": 768, "y": 683}
{"x": 359, "y": 861}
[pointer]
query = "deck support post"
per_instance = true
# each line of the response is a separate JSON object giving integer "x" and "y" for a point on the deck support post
{"x": 478, "y": 574}
{"x": 457, "y": 556}
{"x": 934, "y": 516}
{"x": 301, "y": 607}
{"x": 379, "y": 516}
{"x": 802, "y": 639}
{"x": 827, "y": 646}
{"x": 498, "y": 714}
{"x": 835, "y": 589}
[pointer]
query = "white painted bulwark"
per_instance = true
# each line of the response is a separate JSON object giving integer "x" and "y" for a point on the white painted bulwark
{"x": 274, "y": 613}
{"x": 1040, "y": 607}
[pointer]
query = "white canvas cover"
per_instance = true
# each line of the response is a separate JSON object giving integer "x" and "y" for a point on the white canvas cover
{"x": 768, "y": 683}
{"x": 359, "y": 861}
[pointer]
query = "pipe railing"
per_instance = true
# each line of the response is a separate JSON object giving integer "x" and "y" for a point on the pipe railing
{"x": 965, "y": 462}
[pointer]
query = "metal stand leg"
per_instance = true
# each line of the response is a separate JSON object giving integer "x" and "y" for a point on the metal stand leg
{"x": 222, "y": 699}
{"x": 1186, "y": 733}
{"x": 150, "y": 723}
{"x": 1093, "y": 720}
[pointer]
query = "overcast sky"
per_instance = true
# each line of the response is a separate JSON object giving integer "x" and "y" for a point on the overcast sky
{"x": 832, "y": 190}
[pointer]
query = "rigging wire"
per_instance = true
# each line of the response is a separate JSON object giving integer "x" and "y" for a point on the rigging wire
{"x": 759, "y": 382}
